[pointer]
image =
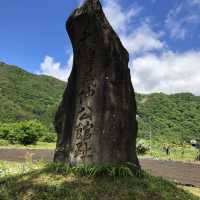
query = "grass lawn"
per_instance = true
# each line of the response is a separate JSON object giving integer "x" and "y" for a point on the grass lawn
{"x": 40, "y": 145}
{"x": 189, "y": 154}
{"x": 178, "y": 153}
{"x": 193, "y": 190}
{"x": 27, "y": 181}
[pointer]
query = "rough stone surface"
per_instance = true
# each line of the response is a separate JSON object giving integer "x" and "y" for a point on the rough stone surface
{"x": 96, "y": 120}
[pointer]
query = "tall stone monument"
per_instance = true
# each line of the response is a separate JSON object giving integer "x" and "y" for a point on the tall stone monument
{"x": 96, "y": 120}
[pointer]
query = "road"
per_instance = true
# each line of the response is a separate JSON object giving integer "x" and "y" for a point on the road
{"x": 183, "y": 173}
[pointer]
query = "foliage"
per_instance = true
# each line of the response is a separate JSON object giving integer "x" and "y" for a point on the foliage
{"x": 24, "y": 132}
{"x": 173, "y": 118}
{"x": 24, "y": 96}
{"x": 95, "y": 170}
{"x": 176, "y": 151}
{"x": 44, "y": 183}
{"x": 142, "y": 147}
{"x": 48, "y": 137}
{"x": 4, "y": 144}
{"x": 193, "y": 190}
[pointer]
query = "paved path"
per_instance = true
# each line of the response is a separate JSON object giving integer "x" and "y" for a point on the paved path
{"x": 21, "y": 155}
{"x": 184, "y": 173}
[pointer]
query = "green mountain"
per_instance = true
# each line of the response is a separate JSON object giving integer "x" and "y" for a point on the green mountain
{"x": 173, "y": 117}
{"x": 27, "y": 96}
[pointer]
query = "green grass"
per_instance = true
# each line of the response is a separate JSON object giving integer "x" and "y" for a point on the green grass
{"x": 188, "y": 154}
{"x": 14, "y": 168}
{"x": 185, "y": 153}
{"x": 193, "y": 190}
{"x": 40, "y": 145}
{"x": 41, "y": 181}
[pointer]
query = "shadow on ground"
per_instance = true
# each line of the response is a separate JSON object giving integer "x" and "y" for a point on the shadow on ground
{"x": 51, "y": 184}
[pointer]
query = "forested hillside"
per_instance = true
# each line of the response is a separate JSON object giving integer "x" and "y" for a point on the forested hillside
{"x": 27, "y": 96}
{"x": 175, "y": 117}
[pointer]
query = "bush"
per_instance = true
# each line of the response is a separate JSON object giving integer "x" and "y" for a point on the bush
{"x": 142, "y": 147}
{"x": 25, "y": 132}
{"x": 7, "y": 132}
{"x": 49, "y": 137}
{"x": 4, "y": 131}
{"x": 4, "y": 142}
{"x": 26, "y": 135}
{"x": 29, "y": 132}
{"x": 12, "y": 137}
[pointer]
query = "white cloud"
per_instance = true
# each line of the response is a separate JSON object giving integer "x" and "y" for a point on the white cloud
{"x": 80, "y": 2}
{"x": 137, "y": 40}
{"x": 174, "y": 24}
{"x": 195, "y": 2}
{"x": 181, "y": 17}
{"x": 170, "y": 72}
{"x": 154, "y": 67}
{"x": 141, "y": 40}
{"x": 117, "y": 16}
{"x": 52, "y": 68}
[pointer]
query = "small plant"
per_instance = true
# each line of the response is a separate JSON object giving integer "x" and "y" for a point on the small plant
{"x": 142, "y": 147}
{"x": 92, "y": 170}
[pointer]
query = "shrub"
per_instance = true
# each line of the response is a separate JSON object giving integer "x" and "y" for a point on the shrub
{"x": 25, "y": 135}
{"x": 25, "y": 132}
{"x": 7, "y": 132}
{"x": 12, "y": 138}
{"x": 29, "y": 132}
{"x": 4, "y": 131}
{"x": 4, "y": 142}
{"x": 48, "y": 137}
{"x": 142, "y": 147}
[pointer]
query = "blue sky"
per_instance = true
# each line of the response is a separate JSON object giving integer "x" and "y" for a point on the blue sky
{"x": 162, "y": 37}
